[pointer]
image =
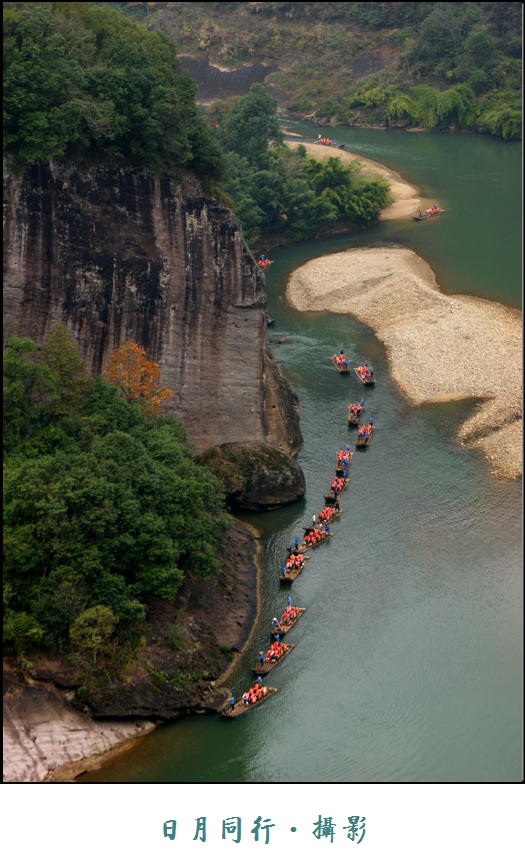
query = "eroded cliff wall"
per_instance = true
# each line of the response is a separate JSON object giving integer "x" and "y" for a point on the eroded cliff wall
{"x": 125, "y": 255}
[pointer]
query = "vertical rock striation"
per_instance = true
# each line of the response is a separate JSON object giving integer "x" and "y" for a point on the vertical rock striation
{"x": 125, "y": 255}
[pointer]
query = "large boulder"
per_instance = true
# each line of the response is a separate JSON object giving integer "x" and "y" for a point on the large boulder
{"x": 256, "y": 477}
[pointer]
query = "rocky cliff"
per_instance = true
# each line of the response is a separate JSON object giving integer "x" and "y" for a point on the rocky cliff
{"x": 121, "y": 255}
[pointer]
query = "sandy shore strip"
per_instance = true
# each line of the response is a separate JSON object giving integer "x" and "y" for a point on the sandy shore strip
{"x": 440, "y": 348}
{"x": 405, "y": 199}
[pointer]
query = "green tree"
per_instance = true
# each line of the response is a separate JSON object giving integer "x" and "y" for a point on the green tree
{"x": 250, "y": 125}
{"x": 92, "y": 628}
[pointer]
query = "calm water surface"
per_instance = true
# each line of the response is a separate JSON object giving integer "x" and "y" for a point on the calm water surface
{"x": 407, "y": 665}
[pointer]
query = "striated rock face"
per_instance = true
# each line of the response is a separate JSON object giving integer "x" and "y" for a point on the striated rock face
{"x": 46, "y": 739}
{"x": 125, "y": 255}
{"x": 256, "y": 477}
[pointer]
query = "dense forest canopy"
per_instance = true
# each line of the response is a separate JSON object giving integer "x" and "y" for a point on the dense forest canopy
{"x": 366, "y": 62}
{"x": 104, "y": 503}
{"x": 82, "y": 80}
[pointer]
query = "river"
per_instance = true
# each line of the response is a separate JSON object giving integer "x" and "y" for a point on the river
{"x": 407, "y": 664}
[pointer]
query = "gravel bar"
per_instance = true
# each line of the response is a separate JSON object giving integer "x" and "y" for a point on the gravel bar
{"x": 440, "y": 348}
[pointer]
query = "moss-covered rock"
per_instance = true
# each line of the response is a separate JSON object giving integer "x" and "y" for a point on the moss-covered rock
{"x": 256, "y": 477}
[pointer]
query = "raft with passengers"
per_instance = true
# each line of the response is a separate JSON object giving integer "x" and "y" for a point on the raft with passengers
{"x": 250, "y": 699}
{"x": 329, "y": 142}
{"x": 325, "y": 516}
{"x": 365, "y": 434}
{"x": 264, "y": 263}
{"x": 277, "y": 652}
{"x": 365, "y": 374}
{"x": 431, "y": 211}
{"x": 288, "y": 619}
{"x": 294, "y": 566}
{"x": 314, "y": 537}
{"x": 341, "y": 362}
{"x": 337, "y": 487}
{"x": 355, "y": 411}
{"x": 342, "y": 461}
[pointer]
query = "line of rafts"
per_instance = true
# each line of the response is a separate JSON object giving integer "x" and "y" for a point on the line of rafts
{"x": 277, "y": 652}
{"x": 314, "y": 534}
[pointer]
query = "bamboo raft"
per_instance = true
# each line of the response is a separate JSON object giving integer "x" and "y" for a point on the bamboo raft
{"x": 365, "y": 381}
{"x": 340, "y": 465}
{"x": 290, "y": 576}
{"x": 307, "y": 547}
{"x": 283, "y": 628}
{"x": 265, "y": 668}
{"x": 428, "y": 215}
{"x": 335, "y": 514}
{"x": 266, "y": 265}
{"x": 361, "y": 440}
{"x": 352, "y": 420}
{"x": 342, "y": 370}
{"x": 331, "y": 497}
{"x": 240, "y": 708}
{"x": 331, "y": 144}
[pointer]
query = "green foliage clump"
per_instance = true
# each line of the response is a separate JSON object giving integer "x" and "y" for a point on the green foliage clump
{"x": 81, "y": 80}
{"x": 278, "y": 191}
{"x": 102, "y": 506}
{"x": 250, "y": 124}
{"x": 92, "y": 628}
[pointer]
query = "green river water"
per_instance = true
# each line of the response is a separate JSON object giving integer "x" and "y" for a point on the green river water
{"x": 407, "y": 665}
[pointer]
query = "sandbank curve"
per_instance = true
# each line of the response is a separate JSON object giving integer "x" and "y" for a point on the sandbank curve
{"x": 440, "y": 348}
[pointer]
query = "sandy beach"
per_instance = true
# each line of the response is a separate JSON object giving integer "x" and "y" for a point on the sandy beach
{"x": 440, "y": 348}
{"x": 405, "y": 197}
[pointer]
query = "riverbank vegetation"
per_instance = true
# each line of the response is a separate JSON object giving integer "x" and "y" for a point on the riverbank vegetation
{"x": 279, "y": 194}
{"x": 433, "y": 65}
{"x": 105, "y": 505}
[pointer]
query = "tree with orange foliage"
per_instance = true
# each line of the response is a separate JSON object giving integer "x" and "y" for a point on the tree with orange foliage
{"x": 137, "y": 377}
